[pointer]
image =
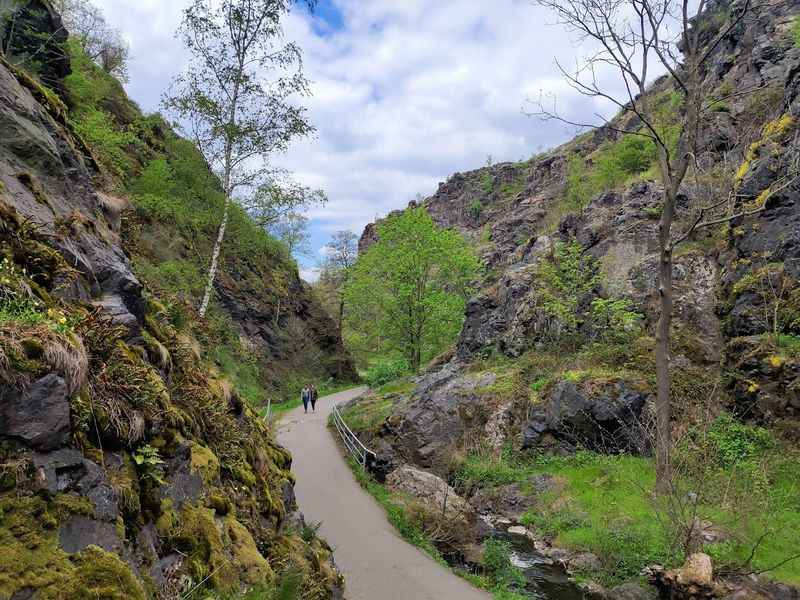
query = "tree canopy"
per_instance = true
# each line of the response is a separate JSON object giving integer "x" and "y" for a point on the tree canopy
{"x": 412, "y": 285}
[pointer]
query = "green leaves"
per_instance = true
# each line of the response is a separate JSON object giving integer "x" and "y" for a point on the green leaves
{"x": 566, "y": 283}
{"x": 149, "y": 462}
{"x": 408, "y": 292}
{"x": 237, "y": 96}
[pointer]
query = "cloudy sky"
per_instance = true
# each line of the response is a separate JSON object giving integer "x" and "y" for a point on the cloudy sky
{"x": 406, "y": 92}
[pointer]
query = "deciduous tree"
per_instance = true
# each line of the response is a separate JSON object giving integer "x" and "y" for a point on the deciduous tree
{"x": 237, "y": 98}
{"x": 415, "y": 282}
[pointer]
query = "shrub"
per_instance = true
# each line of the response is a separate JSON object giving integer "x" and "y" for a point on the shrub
{"x": 386, "y": 370}
{"x": 796, "y": 31}
{"x": 736, "y": 442}
{"x": 475, "y": 209}
{"x": 497, "y": 562}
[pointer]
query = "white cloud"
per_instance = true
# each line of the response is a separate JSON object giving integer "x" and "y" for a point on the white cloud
{"x": 309, "y": 275}
{"x": 408, "y": 92}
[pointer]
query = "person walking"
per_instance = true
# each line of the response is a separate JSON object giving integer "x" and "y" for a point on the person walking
{"x": 305, "y": 396}
{"x": 314, "y": 396}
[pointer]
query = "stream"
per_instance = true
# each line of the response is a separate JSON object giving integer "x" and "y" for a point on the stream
{"x": 546, "y": 579}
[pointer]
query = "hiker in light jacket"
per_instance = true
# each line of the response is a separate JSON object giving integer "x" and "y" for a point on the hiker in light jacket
{"x": 305, "y": 396}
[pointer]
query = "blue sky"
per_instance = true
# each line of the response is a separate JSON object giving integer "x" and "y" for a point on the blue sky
{"x": 405, "y": 93}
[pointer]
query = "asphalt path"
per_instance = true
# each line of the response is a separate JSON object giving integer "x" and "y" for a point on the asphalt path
{"x": 377, "y": 563}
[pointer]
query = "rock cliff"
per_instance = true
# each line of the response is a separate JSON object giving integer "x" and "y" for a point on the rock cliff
{"x": 130, "y": 467}
{"x": 515, "y": 213}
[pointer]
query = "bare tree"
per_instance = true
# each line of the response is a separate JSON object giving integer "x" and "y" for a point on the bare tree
{"x": 292, "y": 230}
{"x": 100, "y": 41}
{"x": 341, "y": 256}
{"x": 634, "y": 38}
{"x": 237, "y": 96}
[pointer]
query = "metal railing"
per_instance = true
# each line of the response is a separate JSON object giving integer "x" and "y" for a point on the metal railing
{"x": 357, "y": 450}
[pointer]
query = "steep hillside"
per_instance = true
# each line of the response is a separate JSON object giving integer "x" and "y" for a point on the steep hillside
{"x": 573, "y": 233}
{"x": 133, "y": 463}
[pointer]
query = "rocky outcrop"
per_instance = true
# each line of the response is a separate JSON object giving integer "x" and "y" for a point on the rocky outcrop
{"x": 38, "y": 415}
{"x": 515, "y": 213}
{"x": 445, "y": 406}
{"x": 34, "y": 34}
{"x": 611, "y": 419}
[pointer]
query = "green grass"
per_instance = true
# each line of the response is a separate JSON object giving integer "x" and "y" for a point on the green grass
{"x": 395, "y": 513}
{"x": 796, "y": 31}
{"x": 791, "y": 343}
{"x": 604, "y": 504}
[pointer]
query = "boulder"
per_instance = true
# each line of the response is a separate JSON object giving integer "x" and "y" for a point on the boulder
{"x": 445, "y": 406}
{"x": 632, "y": 591}
{"x": 607, "y": 419}
{"x": 38, "y": 414}
{"x": 433, "y": 492}
{"x": 693, "y": 581}
{"x": 58, "y": 469}
{"x": 512, "y": 500}
{"x": 79, "y": 532}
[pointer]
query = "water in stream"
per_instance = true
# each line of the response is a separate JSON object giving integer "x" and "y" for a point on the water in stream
{"x": 546, "y": 578}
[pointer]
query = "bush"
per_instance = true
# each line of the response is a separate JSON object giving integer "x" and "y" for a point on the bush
{"x": 497, "y": 562}
{"x": 386, "y": 370}
{"x": 736, "y": 442}
{"x": 796, "y": 31}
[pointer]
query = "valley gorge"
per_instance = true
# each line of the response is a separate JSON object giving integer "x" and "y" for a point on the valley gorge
{"x": 139, "y": 452}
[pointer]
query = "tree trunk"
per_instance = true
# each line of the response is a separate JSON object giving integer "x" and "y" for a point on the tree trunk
{"x": 227, "y": 176}
{"x": 341, "y": 315}
{"x": 663, "y": 405}
{"x": 212, "y": 270}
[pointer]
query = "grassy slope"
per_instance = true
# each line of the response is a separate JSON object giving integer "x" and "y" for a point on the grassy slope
{"x": 169, "y": 235}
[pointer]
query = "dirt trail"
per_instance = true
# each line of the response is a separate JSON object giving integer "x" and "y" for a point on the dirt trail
{"x": 377, "y": 563}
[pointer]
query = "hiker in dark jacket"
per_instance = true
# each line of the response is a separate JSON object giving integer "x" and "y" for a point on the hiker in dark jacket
{"x": 305, "y": 396}
{"x": 314, "y": 396}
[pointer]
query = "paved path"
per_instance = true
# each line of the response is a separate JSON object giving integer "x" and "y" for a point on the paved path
{"x": 378, "y": 564}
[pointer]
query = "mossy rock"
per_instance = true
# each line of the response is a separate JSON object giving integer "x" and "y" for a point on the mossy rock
{"x": 31, "y": 556}
{"x": 104, "y": 575}
{"x": 204, "y": 463}
{"x": 221, "y": 550}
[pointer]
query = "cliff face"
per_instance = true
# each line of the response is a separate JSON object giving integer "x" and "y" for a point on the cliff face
{"x": 130, "y": 467}
{"x": 515, "y": 213}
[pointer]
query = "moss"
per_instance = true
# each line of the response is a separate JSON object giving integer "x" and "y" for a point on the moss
{"x": 101, "y": 574}
{"x": 252, "y": 566}
{"x": 205, "y": 463}
{"x": 194, "y": 531}
{"x": 125, "y": 482}
{"x": 31, "y": 556}
{"x": 46, "y": 97}
{"x": 773, "y": 131}
{"x": 221, "y": 504}
{"x": 70, "y": 504}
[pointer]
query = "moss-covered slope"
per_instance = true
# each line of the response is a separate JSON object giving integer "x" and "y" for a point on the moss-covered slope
{"x": 133, "y": 463}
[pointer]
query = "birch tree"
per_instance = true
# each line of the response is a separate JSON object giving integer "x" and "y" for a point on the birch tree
{"x": 237, "y": 97}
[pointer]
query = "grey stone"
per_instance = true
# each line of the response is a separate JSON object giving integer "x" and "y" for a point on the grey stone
{"x": 632, "y": 591}
{"x": 60, "y": 468}
{"x": 610, "y": 421}
{"x": 38, "y": 415}
{"x": 79, "y": 532}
